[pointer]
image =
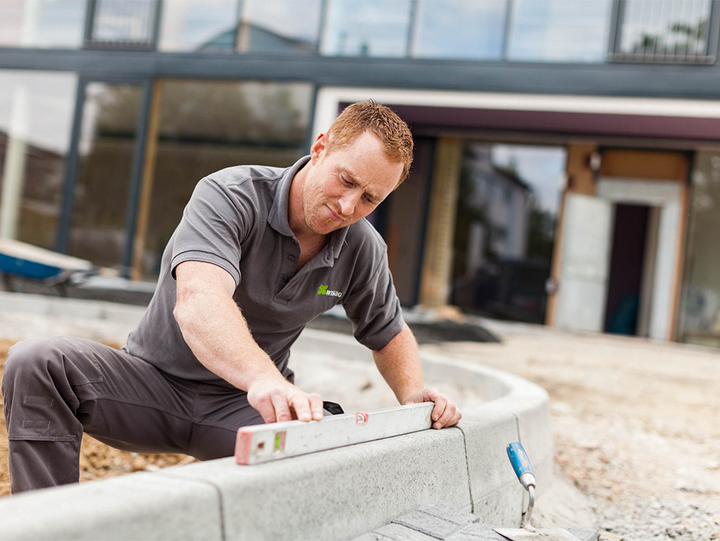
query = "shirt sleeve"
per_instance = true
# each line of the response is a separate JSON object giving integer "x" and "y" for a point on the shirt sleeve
{"x": 374, "y": 308}
{"x": 214, "y": 223}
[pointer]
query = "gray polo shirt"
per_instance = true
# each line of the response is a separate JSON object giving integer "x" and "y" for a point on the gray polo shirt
{"x": 237, "y": 219}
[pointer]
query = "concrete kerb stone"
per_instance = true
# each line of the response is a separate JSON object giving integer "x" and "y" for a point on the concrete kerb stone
{"x": 334, "y": 494}
{"x": 339, "y": 493}
{"x": 140, "y": 506}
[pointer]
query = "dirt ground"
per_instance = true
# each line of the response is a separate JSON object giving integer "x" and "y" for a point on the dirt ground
{"x": 97, "y": 460}
{"x": 636, "y": 424}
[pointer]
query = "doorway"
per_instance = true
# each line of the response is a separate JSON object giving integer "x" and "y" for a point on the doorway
{"x": 627, "y": 258}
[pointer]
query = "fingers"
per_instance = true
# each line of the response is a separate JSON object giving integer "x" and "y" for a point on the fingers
{"x": 316, "y": 405}
{"x": 279, "y": 402}
{"x": 445, "y": 413}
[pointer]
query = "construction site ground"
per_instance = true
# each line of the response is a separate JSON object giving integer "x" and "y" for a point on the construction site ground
{"x": 636, "y": 424}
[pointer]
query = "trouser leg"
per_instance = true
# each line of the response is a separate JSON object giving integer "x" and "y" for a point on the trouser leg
{"x": 54, "y": 388}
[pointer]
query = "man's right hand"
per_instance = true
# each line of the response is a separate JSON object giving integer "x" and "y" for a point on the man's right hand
{"x": 279, "y": 400}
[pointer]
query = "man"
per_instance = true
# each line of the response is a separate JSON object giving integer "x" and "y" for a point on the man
{"x": 259, "y": 252}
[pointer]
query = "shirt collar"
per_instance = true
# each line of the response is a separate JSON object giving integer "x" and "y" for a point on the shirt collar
{"x": 278, "y": 215}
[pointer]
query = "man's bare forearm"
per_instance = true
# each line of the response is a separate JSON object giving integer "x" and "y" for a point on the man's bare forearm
{"x": 217, "y": 333}
{"x": 400, "y": 365}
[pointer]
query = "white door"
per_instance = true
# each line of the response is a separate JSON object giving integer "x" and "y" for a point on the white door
{"x": 584, "y": 263}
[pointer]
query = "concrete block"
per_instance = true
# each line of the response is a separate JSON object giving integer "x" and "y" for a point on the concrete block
{"x": 451, "y": 514}
{"x": 340, "y": 493}
{"x": 399, "y": 532}
{"x": 428, "y": 524}
{"x": 138, "y": 506}
{"x": 476, "y": 532}
{"x": 502, "y": 508}
{"x": 371, "y": 536}
{"x": 497, "y": 494}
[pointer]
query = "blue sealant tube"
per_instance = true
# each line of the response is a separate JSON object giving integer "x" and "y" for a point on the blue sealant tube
{"x": 521, "y": 465}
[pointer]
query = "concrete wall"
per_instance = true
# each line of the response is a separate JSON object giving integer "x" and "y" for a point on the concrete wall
{"x": 336, "y": 494}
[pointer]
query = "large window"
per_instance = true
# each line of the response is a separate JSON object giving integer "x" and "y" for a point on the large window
{"x": 700, "y": 323}
{"x": 279, "y": 26}
{"x": 664, "y": 29}
{"x": 559, "y": 30}
{"x": 42, "y": 23}
{"x": 460, "y": 29}
{"x": 199, "y": 25}
{"x": 35, "y": 124}
{"x": 505, "y": 229}
{"x": 369, "y": 28}
{"x": 209, "y": 125}
{"x": 107, "y": 145}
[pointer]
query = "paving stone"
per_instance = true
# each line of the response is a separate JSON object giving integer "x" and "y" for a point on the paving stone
{"x": 428, "y": 524}
{"x": 451, "y": 514}
{"x": 398, "y": 532}
{"x": 478, "y": 531}
{"x": 370, "y": 536}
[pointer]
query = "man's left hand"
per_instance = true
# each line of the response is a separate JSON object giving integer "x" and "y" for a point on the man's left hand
{"x": 445, "y": 413}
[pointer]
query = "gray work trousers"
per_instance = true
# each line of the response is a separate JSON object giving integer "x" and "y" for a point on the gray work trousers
{"x": 56, "y": 388}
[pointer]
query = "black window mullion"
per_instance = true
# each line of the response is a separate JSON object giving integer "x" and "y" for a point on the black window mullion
{"x": 137, "y": 176}
{"x": 89, "y": 21}
{"x": 508, "y": 29}
{"x": 71, "y": 171}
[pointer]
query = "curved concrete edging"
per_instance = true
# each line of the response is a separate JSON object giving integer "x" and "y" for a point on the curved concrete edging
{"x": 336, "y": 494}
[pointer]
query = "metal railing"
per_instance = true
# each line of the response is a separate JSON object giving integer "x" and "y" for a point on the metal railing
{"x": 123, "y": 24}
{"x": 665, "y": 31}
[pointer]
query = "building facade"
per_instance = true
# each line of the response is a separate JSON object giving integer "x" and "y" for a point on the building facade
{"x": 567, "y": 153}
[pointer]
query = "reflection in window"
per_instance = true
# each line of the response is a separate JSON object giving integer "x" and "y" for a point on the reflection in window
{"x": 107, "y": 146}
{"x": 207, "y": 126}
{"x": 665, "y": 27}
{"x": 505, "y": 229}
{"x": 367, "y": 28}
{"x": 36, "y": 111}
{"x": 460, "y": 29}
{"x": 701, "y": 317}
{"x": 42, "y": 23}
{"x": 199, "y": 25}
{"x": 559, "y": 30}
{"x": 279, "y": 26}
{"x": 124, "y": 21}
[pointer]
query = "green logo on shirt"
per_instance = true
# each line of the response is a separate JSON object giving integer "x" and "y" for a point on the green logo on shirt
{"x": 329, "y": 293}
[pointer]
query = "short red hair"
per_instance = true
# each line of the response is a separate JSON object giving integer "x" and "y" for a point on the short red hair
{"x": 379, "y": 120}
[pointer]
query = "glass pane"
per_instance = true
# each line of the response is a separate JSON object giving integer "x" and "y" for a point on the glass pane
{"x": 280, "y": 26}
{"x": 469, "y": 29}
{"x": 42, "y": 23}
{"x": 368, "y": 28}
{"x": 107, "y": 145}
{"x": 124, "y": 21}
{"x": 36, "y": 110}
{"x": 560, "y": 30}
{"x": 505, "y": 229}
{"x": 665, "y": 27}
{"x": 206, "y": 126}
{"x": 198, "y": 25}
{"x": 701, "y": 320}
